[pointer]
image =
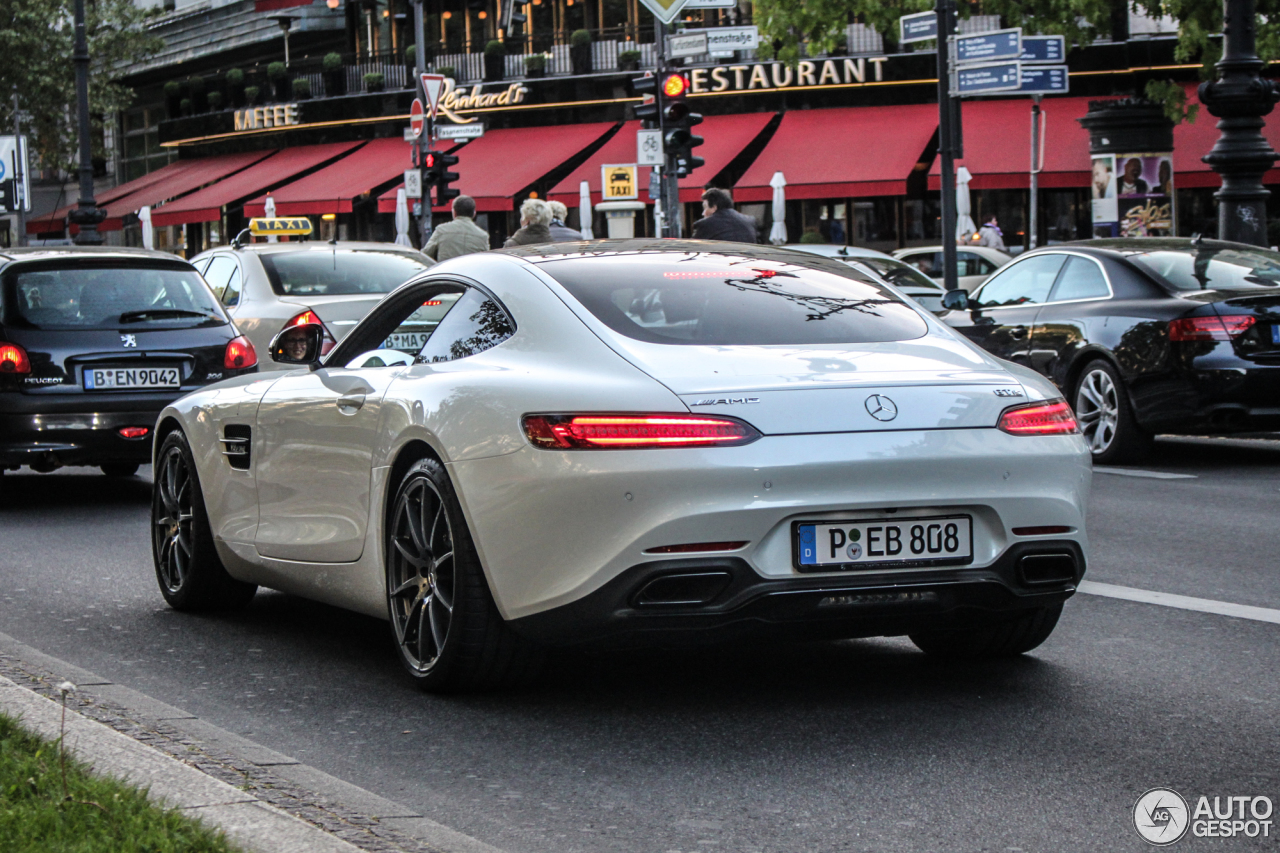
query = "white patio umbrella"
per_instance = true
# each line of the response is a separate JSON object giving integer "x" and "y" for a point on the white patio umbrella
{"x": 778, "y": 233}
{"x": 964, "y": 206}
{"x": 148, "y": 233}
{"x": 402, "y": 219}
{"x": 269, "y": 211}
{"x": 584, "y": 210}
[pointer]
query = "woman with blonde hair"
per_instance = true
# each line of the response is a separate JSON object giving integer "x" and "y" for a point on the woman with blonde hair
{"x": 535, "y": 222}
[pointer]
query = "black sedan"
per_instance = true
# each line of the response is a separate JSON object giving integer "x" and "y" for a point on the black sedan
{"x": 93, "y": 344}
{"x": 1144, "y": 336}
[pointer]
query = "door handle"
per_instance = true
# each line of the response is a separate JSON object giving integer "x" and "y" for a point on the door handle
{"x": 1018, "y": 332}
{"x": 350, "y": 403}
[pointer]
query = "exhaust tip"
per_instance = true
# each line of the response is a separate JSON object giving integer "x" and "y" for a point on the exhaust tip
{"x": 1035, "y": 569}
{"x": 683, "y": 589}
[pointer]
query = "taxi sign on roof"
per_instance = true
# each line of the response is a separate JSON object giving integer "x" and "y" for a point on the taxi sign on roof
{"x": 279, "y": 226}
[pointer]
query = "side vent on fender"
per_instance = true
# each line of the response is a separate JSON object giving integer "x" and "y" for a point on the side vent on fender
{"x": 236, "y": 441}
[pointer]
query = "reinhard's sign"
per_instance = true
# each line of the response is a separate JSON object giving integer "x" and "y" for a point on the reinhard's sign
{"x": 257, "y": 118}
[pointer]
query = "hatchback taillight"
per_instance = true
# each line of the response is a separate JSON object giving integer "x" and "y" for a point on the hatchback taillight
{"x": 1225, "y": 328}
{"x": 310, "y": 318}
{"x": 628, "y": 432}
{"x": 239, "y": 354}
{"x": 13, "y": 359}
{"x": 1054, "y": 418}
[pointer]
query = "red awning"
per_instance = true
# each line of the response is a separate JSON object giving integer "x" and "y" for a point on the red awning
{"x": 334, "y": 188}
{"x": 56, "y": 221}
{"x": 498, "y": 166}
{"x": 726, "y": 137}
{"x": 846, "y": 152}
{"x": 206, "y": 205}
{"x": 204, "y": 171}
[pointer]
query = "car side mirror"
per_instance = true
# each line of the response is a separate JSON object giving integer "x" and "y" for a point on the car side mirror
{"x": 298, "y": 345}
{"x": 952, "y": 300}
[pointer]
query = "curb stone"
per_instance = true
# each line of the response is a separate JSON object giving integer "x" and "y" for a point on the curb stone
{"x": 266, "y": 801}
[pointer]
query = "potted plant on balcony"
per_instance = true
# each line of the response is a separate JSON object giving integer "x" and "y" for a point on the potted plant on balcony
{"x": 235, "y": 85}
{"x": 185, "y": 106}
{"x": 173, "y": 98}
{"x": 214, "y": 100}
{"x": 251, "y": 95}
{"x": 335, "y": 76}
{"x": 535, "y": 65}
{"x": 446, "y": 70}
{"x": 373, "y": 82}
{"x": 278, "y": 74}
{"x": 195, "y": 91}
{"x": 301, "y": 89}
{"x": 495, "y": 59}
{"x": 628, "y": 60}
{"x": 580, "y": 51}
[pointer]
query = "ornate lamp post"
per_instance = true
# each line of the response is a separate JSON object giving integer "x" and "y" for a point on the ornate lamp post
{"x": 86, "y": 215}
{"x": 1240, "y": 98}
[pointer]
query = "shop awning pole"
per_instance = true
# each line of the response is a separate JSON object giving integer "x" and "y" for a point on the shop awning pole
{"x": 946, "y": 10}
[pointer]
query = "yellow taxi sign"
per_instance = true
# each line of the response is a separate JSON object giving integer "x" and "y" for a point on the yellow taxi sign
{"x": 619, "y": 181}
{"x": 279, "y": 226}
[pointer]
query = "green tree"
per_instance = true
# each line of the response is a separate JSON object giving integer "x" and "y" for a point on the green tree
{"x": 786, "y": 24}
{"x": 36, "y": 46}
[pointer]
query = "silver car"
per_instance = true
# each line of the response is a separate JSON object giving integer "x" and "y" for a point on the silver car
{"x": 267, "y": 286}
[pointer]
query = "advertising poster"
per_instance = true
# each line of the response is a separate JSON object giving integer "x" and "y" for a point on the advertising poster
{"x": 1144, "y": 194}
{"x": 1103, "y": 191}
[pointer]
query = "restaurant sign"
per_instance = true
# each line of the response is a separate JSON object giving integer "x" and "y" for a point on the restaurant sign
{"x": 275, "y": 115}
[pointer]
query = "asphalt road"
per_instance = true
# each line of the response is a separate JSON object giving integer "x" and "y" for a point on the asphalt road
{"x": 862, "y": 745}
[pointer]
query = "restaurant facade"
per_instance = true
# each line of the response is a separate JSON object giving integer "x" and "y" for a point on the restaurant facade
{"x": 853, "y": 136}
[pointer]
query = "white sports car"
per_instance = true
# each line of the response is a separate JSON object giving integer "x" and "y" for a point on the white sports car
{"x": 633, "y": 440}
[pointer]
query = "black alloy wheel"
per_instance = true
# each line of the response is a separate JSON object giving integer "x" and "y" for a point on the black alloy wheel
{"x": 190, "y": 574}
{"x": 447, "y": 629}
{"x": 1106, "y": 417}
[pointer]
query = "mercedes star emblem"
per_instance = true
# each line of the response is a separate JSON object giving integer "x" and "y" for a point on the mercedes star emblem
{"x": 881, "y": 407}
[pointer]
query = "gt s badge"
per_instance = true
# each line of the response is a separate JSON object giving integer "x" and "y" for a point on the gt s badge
{"x": 726, "y": 401}
{"x": 1008, "y": 392}
{"x": 128, "y": 340}
{"x": 881, "y": 407}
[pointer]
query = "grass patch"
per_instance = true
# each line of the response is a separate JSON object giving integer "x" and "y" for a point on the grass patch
{"x": 48, "y": 804}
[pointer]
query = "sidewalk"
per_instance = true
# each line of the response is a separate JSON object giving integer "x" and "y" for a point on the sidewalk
{"x": 264, "y": 801}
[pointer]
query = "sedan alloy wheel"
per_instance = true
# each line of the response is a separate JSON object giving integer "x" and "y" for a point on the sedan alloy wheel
{"x": 1098, "y": 409}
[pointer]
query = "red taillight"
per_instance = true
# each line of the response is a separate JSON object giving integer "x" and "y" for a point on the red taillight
{"x": 310, "y": 318}
{"x": 1046, "y": 530}
{"x": 603, "y": 432}
{"x": 239, "y": 354}
{"x": 1225, "y": 328}
{"x": 133, "y": 432}
{"x": 13, "y": 359}
{"x": 695, "y": 547}
{"x": 1039, "y": 419}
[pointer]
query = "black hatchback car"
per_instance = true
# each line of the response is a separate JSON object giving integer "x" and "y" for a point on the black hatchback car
{"x": 1144, "y": 336}
{"x": 94, "y": 342}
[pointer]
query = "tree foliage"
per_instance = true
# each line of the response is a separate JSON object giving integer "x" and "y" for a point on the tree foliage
{"x": 37, "y": 40}
{"x": 786, "y": 24}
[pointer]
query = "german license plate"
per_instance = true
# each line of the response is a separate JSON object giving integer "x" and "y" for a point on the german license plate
{"x": 102, "y": 378}
{"x": 410, "y": 342}
{"x": 883, "y": 542}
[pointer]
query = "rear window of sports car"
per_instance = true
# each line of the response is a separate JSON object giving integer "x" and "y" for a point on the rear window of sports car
{"x": 713, "y": 299}
{"x": 318, "y": 271}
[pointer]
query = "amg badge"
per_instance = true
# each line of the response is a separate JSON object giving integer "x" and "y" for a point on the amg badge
{"x": 725, "y": 401}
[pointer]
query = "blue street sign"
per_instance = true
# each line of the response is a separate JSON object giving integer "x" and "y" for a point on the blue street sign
{"x": 1044, "y": 49}
{"x": 922, "y": 26}
{"x": 988, "y": 47}
{"x": 988, "y": 79}
{"x": 1044, "y": 80}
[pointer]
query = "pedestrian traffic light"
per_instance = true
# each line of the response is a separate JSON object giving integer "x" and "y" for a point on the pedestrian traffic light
{"x": 647, "y": 88}
{"x": 439, "y": 176}
{"x": 678, "y": 141}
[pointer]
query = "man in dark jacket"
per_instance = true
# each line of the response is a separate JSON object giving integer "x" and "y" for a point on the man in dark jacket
{"x": 721, "y": 222}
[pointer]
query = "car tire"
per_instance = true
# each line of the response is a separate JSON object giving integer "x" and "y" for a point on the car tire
{"x": 998, "y": 640}
{"x": 446, "y": 627}
{"x": 1105, "y": 414}
{"x": 188, "y": 569}
{"x": 119, "y": 469}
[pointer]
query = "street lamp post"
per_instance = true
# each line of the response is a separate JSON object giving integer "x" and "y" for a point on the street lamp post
{"x": 1240, "y": 98}
{"x": 86, "y": 215}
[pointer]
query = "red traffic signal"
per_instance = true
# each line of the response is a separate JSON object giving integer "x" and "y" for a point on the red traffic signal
{"x": 675, "y": 86}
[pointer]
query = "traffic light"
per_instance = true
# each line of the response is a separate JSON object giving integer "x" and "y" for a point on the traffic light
{"x": 678, "y": 141}
{"x": 646, "y": 87}
{"x": 438, "y": 175}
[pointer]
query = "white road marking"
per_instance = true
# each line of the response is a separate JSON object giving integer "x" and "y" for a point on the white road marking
{"x": 1134, "y": 472}
{"x": 1182, "y": 602}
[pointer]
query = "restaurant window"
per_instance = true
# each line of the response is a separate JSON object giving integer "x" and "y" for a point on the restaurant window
{"x": 921, "y": 221}
{"x": 875, "y": 223}
{"x": 140, "y": 150}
